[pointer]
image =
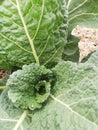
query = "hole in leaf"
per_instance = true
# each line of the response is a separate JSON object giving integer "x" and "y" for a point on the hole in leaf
{"x": 42, "y": 90}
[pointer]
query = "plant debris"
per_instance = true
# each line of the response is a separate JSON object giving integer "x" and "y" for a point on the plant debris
{"x": 4, "y": 73}
{"x": 88, "y": 40}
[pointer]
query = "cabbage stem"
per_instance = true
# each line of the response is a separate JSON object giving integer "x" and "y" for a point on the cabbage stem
{"x": 3, "y": 87}
{"x": 21, "y": 119}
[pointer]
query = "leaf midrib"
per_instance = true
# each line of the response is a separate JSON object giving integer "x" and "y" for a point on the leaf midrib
{"x": 27, "y": 34}
{"x": 71, "y": 110}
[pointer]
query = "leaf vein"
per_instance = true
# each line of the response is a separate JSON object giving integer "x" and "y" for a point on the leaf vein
{"x": 16, "y": 43}
{"x": 78, "y": 15}
{"x": 27, "y": 34}
{"x": 11, "y": 20}
{"x": 39, "y": 23}
{"x": 67, "y": 106}
{"x": 78, "y": 6}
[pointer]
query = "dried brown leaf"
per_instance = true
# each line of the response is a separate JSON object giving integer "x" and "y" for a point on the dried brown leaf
{"x": 88, "y": 40}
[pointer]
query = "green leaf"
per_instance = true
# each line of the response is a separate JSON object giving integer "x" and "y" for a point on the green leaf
{"x": 30, "y": 86}
{"x": 9, "y": 114}
{"x": 5, "y": 121}
{"x": 8, "y": 123}
{"x": 6, "y": 104}
{"x": 3, "y": 83}
{"x": 83, "y": 13}
{"x": 32, "y": 31}
{"x": 74, "y": 104}
{"x": 94, "y": 59}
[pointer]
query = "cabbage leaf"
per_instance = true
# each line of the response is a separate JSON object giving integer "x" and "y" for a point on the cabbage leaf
{"x": 32, "y": 31}
{"x": 83, "y": 13}
{"x": 73, "y": 100}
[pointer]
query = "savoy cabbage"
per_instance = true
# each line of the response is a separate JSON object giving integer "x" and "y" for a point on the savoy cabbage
{"x": 46, "y": 92}
{"x": 30, "y": 87}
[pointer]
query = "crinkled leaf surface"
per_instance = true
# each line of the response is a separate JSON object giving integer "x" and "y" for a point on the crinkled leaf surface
{"x": 94, "y": 59}
{"x": 73, "y": 104}
{"x": 43, "y": 23}
{"x": 8, "y": 123}
{"x": 83, "y": 13}
{"x": 9, "y": 114}
{"x": 30, "y": 86}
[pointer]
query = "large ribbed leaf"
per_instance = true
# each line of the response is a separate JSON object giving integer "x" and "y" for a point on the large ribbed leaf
{"x": 8, "y": 123}
{"x": 31, "y": 31}
{"x": 83, "y": 13}
{"x": 74, "y": 104}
